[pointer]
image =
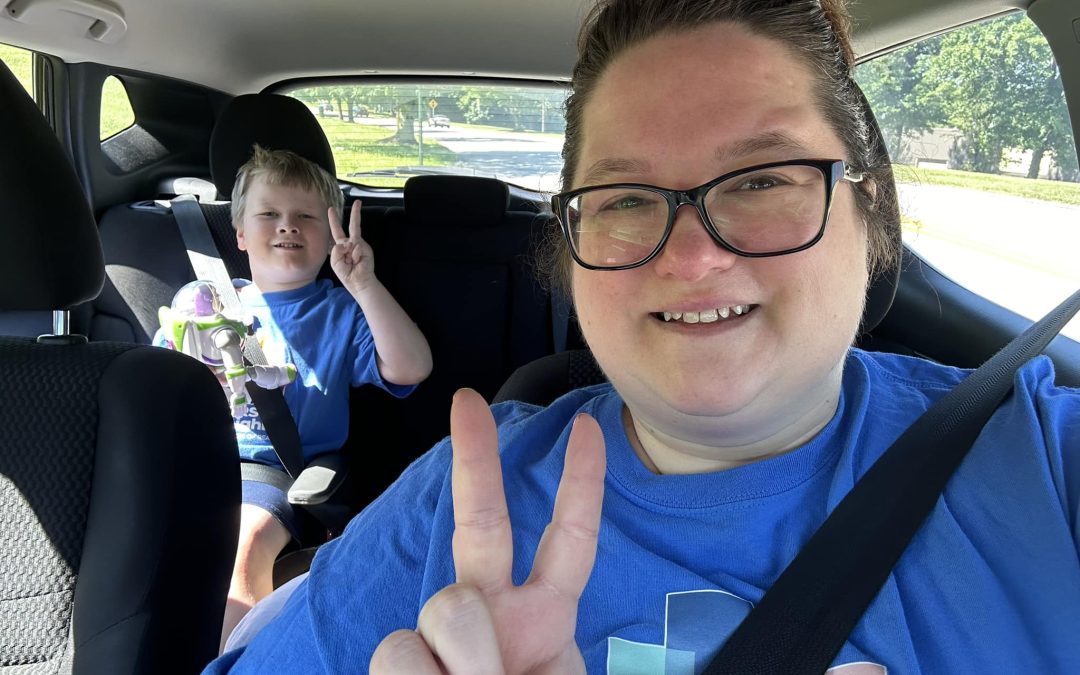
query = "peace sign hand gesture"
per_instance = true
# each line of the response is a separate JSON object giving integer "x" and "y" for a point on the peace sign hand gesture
{"x": 351, "y": 257}
{"x": 483, "y": 623}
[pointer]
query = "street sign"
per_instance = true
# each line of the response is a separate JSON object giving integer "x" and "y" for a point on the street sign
{"x": 433, "y": 104}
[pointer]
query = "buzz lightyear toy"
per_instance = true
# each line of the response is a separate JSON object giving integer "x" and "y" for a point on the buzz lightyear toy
{"x": 196, "y": 325}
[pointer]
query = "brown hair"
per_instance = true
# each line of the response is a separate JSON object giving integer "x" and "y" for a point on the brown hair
{"x": 283, "y": 167}
{"x": 816, "y": 30}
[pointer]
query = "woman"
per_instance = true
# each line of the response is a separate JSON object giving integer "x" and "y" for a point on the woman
{"x": 722, "y": 306}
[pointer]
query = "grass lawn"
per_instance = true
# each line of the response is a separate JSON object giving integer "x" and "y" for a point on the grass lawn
{"x": 360, "y": 147}
{"x": 1045, "y": 190}
{"x": 18, "y": 62}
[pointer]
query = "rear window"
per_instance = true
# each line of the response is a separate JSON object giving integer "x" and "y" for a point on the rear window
{"x": 381, "y": 134}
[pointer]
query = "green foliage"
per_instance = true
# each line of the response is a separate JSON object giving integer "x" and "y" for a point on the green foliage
{"x": 895, "y": 84}
{"x": 518, "y": 108}
{"x": 364, "y": 148}
{"x": 20, "y": 63}
{"x": 116, "y": 112}
{"x": 996, "y": 82}
{"x": 1043, "y": 190}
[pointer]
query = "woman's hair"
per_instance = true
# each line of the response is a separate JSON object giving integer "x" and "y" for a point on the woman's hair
{"x": 283, "y": 167}
{"x": 815, "y": 30}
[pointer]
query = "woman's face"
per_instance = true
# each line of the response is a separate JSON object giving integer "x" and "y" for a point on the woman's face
{"x": 677, "y": 111}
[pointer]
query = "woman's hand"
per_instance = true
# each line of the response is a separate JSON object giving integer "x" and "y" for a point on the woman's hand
{"x": 351, "y": 257}
{"x": 483, "y": 623}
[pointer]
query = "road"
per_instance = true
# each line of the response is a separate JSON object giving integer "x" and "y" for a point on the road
{"x": 530, "y": 160}
{"x": 1021, "y": 253}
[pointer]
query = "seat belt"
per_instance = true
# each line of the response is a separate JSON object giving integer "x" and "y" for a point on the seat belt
{"x": 207, "y": 263}
{"x": 803, "y": 620}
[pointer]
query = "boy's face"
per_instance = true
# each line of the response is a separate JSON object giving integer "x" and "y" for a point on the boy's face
{"x": 285, "y": 233}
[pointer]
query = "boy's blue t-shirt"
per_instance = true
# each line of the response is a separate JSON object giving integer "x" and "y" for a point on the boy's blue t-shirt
{"x": 320, "y": 329}
{"x": 990, "y": 584}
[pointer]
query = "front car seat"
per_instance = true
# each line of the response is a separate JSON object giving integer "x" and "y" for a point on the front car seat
{"x": 119, "y": 479}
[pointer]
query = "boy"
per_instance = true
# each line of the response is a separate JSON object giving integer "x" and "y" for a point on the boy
{"x": 287, "y": 215}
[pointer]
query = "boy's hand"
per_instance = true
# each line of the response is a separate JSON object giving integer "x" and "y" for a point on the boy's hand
{"x": 351, "y": 258}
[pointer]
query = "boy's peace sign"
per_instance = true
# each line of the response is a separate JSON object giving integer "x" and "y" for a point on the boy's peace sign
{"x": 351, "y": 257}
{"x": 483, "y": 623}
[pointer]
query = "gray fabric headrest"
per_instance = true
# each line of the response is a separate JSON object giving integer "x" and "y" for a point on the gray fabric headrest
{"x": 456, "y": 201}
{"x": 51, "y": 257}
{"x": 273, "y": 121}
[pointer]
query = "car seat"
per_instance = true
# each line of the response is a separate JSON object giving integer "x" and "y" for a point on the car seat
{"x": 119, "y": 483}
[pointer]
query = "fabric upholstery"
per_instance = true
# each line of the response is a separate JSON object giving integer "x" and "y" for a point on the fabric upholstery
{"x": 475, "y": 296}
{"x": 273, "y": 121}
{"x": 103, "y": 449}
{"x": 119, "y": 481}
{"x": 456, "y": 201}
{"x": 41, "y": 266}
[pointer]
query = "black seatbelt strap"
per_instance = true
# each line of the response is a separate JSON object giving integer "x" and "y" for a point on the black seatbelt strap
{"x": 207, "y": 263}
{"x": 804, "y": 619}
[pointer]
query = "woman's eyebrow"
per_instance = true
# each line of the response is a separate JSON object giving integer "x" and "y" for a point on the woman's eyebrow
{"x": 602, "y": 169}
{"x": 770, "y": 140}
{"x": 775, "y": 141}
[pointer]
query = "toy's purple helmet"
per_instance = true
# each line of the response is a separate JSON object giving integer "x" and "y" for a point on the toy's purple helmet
{"x": 197, "y": 298}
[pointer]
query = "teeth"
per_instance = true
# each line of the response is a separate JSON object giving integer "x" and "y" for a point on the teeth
{"x": 707, "y": 315}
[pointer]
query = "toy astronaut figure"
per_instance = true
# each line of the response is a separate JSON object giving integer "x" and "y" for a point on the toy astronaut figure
{"x": 196, "y": 325}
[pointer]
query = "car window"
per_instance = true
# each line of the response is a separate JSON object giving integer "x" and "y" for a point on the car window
{"x": 20, "y": 62}
{"x": 383, "y": 133}
{"x": 985, "y": 160}
{"x": 116, "y": 112}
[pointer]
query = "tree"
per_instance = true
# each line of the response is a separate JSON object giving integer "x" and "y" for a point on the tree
{"x": 997, "y": 82}
{"x": 894, "y": 84}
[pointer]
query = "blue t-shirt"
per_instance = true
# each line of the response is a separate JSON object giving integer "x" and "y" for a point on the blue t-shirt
{"x": 320, "y": 329}
{"x": 990, "y": 584}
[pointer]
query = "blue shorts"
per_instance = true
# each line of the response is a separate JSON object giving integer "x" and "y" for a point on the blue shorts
{"x": 274, "y": 501}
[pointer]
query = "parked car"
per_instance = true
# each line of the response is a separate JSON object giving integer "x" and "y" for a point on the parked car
{"x": 135, "y": 103}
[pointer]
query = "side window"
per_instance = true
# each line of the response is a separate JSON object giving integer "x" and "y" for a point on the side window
{"x": 116, "y": 112}
{"x": 19, "y": 62}
{"x": 985, "y": 160}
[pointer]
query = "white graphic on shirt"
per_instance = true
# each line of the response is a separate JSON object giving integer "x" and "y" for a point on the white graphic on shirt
{"x": 696, "y": 625}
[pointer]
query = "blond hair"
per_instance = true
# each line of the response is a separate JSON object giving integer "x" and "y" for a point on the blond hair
{"x": 283, "y": 167}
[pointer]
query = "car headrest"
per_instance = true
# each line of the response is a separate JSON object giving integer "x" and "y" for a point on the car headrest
{"x": 457, "y": 201}
{"x": 882, "y": 287}
{"x": 273, "y": 121}
{"x": 51, "y": 258}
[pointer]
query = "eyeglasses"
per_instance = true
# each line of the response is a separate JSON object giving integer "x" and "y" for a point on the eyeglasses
{"x": 760, "y": 211}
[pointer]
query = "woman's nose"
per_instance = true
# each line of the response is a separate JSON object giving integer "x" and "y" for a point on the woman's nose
{"x": 690, "y": 252}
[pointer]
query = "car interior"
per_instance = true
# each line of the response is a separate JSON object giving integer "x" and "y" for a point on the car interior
{"x": 97, "y": 433}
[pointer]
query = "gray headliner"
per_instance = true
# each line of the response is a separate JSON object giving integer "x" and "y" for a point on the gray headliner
{"x": 241, "y": 46}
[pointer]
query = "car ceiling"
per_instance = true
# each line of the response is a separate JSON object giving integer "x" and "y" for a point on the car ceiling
{"x": 240, "y": 46}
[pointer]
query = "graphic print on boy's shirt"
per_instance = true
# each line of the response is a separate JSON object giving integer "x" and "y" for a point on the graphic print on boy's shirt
{"x": 696, "y": 625}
